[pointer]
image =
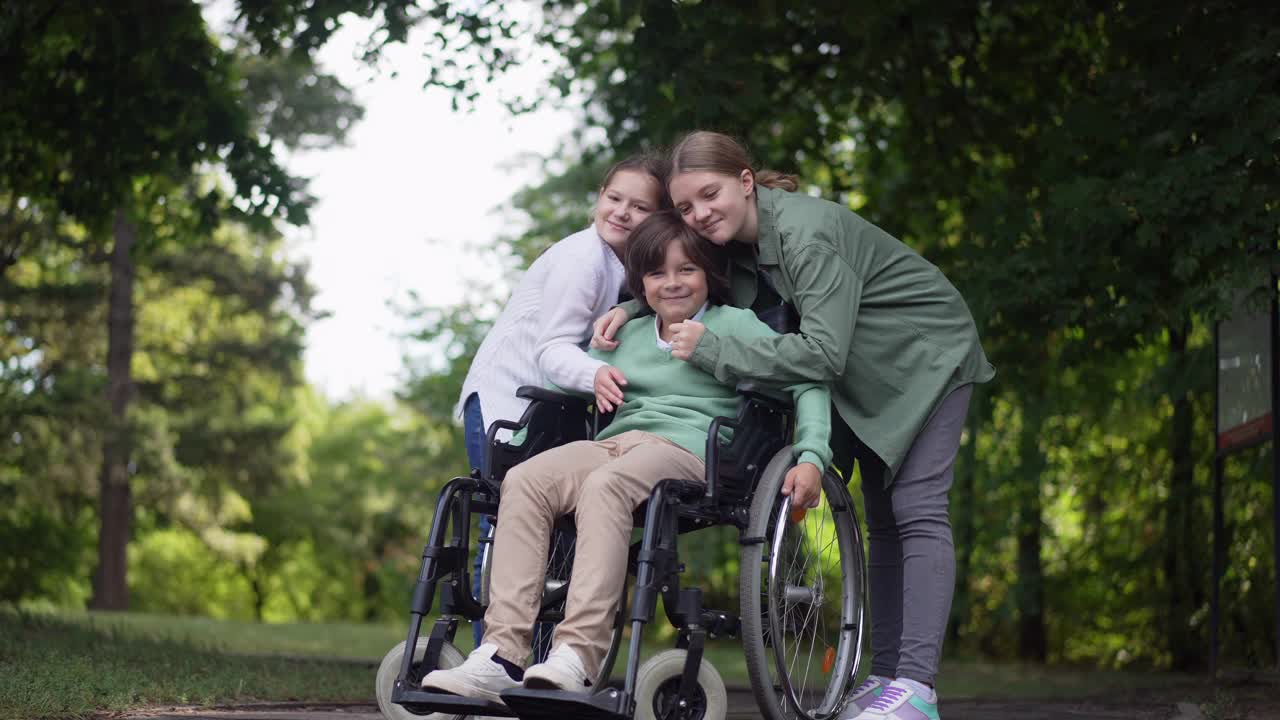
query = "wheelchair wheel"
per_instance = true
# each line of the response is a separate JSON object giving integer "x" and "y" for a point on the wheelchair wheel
{"x": 389, "y": 670}
{"x": 658, "y": 688}
{"x": 802, "y": 592}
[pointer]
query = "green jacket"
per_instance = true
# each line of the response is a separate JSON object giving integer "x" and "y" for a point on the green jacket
{"x": 676, "y": 400}
{"x": 879, "y": 324}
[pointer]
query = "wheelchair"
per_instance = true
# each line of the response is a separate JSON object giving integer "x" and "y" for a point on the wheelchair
{"x": 802, "y": 581}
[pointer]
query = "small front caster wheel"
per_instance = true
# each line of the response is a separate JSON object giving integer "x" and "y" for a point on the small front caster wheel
{"x": 389, "y": 670}
{"x": 658, "y": 690}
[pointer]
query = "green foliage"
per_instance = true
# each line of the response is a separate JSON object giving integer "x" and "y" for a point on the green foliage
{"x": 132, "y": 115}
{"x": 53, "y": 558}
{"x": 559, "y": 206}
{"x": 290, "y": 103}
{"x": 173, "y": 571}
{"x": 453, "y": 334}
{"x": 219, "y": 343}
{"x": 159, "y": 96}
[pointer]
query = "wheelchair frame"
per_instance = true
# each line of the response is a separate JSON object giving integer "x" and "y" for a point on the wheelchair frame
{"x": 760, "y": 431}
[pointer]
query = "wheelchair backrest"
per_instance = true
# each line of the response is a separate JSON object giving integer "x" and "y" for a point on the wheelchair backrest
{"x": 783, "y": 318}
{"x": 762, "y": 428}
{"x": 772, "y": 309}
{"x": 764, "y": 424}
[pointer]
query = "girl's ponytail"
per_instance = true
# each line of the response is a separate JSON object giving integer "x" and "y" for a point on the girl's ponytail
{"x": 778, "y": 180}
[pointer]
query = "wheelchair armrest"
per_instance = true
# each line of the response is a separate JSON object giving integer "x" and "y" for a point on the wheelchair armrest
{"x": 713, "y": 454}
{"x": 767, "y": 396}
{"x": 492, "y": 444}
{"x": 763, "y": 424}
{"x": 491, "y": 436}
{"x": 551, "y": 419}
{"x": 539, "y": 394}
{"x": 572, "y": 403}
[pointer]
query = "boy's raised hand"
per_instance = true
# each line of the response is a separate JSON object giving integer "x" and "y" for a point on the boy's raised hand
{"x": 608, "y": 388}
{"x": 687, "y": 335}
{"x": 606, "y": 328}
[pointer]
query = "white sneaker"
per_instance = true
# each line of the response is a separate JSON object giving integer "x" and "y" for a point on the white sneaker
{"x": 900, "y": 701}
{"x": 562, "y": 670}
{"x": 479, "y": 676}
{"x": 863, "y": 695}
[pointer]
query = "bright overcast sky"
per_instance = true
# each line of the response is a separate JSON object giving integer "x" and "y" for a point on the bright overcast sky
{"x": 410, "y": 203}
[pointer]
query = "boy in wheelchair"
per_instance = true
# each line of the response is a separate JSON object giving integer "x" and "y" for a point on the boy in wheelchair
{"x": 659, "y": 432}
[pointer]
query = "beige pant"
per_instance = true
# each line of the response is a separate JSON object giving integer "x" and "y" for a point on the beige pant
{"x": 601, "y": 482}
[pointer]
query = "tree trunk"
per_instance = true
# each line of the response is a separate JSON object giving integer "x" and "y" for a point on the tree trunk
{"x": 371, "y": 588}
{"x": 110, "y": 588}
{"x": 255, "y": 582}
{"x": 1181, "y": 564}
{"x": 1029, "y": 591}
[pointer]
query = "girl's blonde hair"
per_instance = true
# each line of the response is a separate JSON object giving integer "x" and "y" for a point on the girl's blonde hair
{"x": 703, "y": 150}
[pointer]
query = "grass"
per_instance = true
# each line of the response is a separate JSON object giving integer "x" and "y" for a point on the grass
{"x": 352, "y": 641}
{"x": 52, "y": 667}
{"x": 78, "y": 664}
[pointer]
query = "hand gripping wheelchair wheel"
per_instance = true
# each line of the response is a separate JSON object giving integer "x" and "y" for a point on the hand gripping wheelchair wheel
{"x": 450, "y": 657}
{"x": 658, "y": 690}
{"x": 802, "y": 589}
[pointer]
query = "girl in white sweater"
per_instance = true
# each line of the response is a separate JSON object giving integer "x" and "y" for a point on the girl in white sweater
{"x": 543, "y": 329}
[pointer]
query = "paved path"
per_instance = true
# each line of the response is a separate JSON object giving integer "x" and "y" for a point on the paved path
{"x": 742, "y": 707}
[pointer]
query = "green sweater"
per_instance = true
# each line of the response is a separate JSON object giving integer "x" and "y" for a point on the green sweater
{"x": 879, "y": 324}
{"x": 676, "y": 400}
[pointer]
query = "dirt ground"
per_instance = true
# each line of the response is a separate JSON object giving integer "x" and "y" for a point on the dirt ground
{"x": 1240, "y": 701}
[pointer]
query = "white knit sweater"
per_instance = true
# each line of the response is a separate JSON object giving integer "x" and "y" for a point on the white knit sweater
{"x": 542, "y": 332}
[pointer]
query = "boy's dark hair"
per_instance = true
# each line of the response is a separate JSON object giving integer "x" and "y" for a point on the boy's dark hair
{"x": 647, "y": 250}
{"x": 654, "y": 164}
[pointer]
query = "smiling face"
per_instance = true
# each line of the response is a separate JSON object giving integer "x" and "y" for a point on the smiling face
{"x": 629, "y": 198}
{"x": 719, "y": 207}
{"x": 677, "y": 289}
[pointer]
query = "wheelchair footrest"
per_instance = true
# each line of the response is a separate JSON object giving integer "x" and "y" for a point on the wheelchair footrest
{"x": 420, "y": 702}
{"x": 559, "y": 704}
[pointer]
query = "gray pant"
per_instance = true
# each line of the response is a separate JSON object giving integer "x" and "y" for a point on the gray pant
{"x": 913, "y": 561}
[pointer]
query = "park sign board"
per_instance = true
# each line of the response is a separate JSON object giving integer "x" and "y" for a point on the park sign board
{"x": 1248, "y": 398}
{"x": 1245, "y": 414}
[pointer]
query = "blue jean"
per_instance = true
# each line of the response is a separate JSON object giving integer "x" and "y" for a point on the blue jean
{"x": 473, "y": 437}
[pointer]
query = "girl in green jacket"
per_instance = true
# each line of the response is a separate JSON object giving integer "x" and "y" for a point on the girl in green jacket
{"x": 896, "y": 344}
